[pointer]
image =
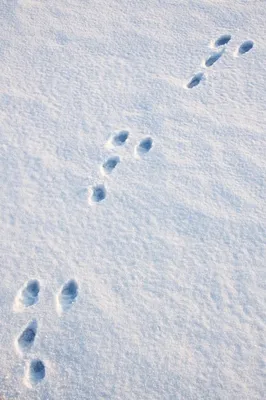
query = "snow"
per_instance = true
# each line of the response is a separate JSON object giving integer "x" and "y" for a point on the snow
{"x": 132, "y": 200}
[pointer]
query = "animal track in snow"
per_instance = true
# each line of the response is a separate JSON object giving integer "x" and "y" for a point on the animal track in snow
{"x": 245, "y": 47}
{"x": 213, "y": 58}
{"x": 109, "y": 165}
{"x": 27, "y": 337}
{"x": 222, "y": 40}
{"x": 143, "y": 147}
{"x": 67, "y": 296}
{"x": 118, "y": 139}
{"x": 97, "y": 194}
{"x": 35, "y": 372}
{"x": 28, "y": 295}
{"x": 195, "y": 80}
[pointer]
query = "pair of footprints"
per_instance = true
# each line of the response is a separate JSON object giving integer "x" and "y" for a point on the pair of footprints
{"x": 219, "y": 43}
{"x": 27, "y": 297}
{"x": 98, "y": 192}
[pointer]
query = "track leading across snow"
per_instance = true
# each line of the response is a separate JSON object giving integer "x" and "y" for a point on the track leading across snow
{"x": 132, "y": 200}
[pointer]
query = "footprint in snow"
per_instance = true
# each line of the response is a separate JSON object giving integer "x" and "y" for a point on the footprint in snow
{"x": 28, "y": 295}
{"x": 97, "y": 194}
{"x": 245, "y": 47}
{"x": 35, "y": 372}
{"x": 67, "y": 296}
{"x": 26, "y": 339}
{"x": 118, "y": 139}
{"x": 222, "y": 40}
{"x": 109, "y": 165}
{"x": 195, "y": 80}
{"x": 213, "y": 58}
{"x": 143, "y": 147}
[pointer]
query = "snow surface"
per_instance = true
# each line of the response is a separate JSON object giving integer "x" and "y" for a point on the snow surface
{"x": 142, "y": 278}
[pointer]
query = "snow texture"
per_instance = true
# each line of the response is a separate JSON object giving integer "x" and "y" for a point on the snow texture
{"x": 132, "y": 200}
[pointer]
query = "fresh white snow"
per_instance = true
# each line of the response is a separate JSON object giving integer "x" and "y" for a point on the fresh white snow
{"x": 132, "y": 200}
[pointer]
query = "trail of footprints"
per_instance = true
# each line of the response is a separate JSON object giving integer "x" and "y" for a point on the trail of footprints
{"x": 27, "y": 297}
{"x": 220, "y": 46}
{"x": 98, "y": 192}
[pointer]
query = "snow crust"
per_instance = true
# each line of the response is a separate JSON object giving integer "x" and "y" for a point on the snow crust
{"x": 132, "y": 270}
